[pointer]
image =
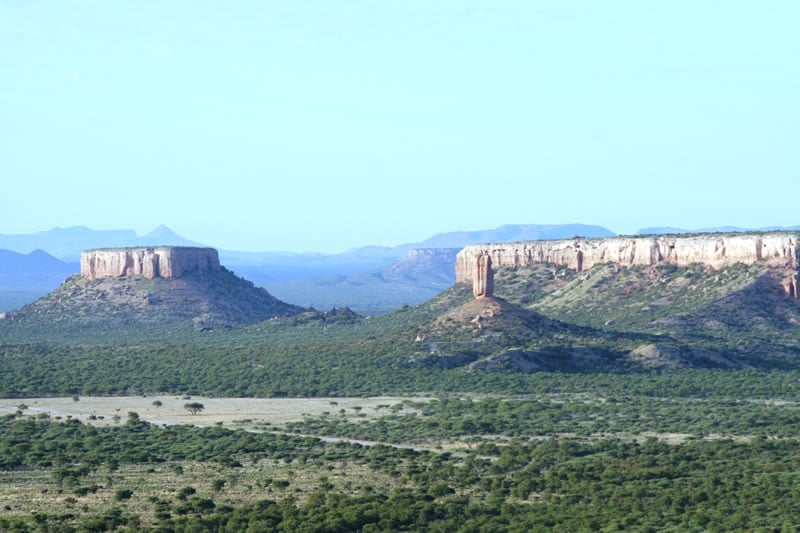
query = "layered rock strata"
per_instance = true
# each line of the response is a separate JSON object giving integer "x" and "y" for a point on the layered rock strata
{"x": 483, "y": 284}
{"x": 716, "y": 251}
{"x": 156, "y": 262}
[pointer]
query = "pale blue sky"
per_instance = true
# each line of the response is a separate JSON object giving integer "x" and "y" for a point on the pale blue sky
{"x": 326, "y": 125}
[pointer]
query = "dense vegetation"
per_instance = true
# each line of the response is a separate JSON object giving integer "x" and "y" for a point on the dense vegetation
{"x": 582, "y": 415}
{"x": 674, "y": 407}
{"x": 368, "y": 368}
{"x": 515, "y": 485}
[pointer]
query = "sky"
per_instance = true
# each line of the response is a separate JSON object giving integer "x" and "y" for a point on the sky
{"x": 327, "y": 125}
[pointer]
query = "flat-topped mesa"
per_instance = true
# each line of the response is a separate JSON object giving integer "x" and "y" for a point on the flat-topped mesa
{"x": 716, "y": 251}
{"x": 149, "y": 262}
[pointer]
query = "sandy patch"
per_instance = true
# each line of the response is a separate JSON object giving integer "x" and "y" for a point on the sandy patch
{"x": 232, "y": 412}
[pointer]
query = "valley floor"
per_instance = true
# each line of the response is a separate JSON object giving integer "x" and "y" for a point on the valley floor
{"x": 623, "y": 453}
{"x": 244, "y": 413}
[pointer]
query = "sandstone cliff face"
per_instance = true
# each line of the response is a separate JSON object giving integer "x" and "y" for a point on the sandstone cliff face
{"x": 717, "y": 251}
{"x": 483, "y": 284}
{"x": 163, "y": 262}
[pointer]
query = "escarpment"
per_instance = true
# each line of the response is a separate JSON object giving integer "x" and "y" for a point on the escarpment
{"x": 156, "y": 262}
{"x": 139, "y": 290}
{"x": 716, "y": 251}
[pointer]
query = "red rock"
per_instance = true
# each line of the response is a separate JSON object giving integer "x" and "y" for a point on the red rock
{"x": 163, "y": 262}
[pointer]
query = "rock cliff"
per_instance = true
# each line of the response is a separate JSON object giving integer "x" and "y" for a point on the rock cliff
{"x": 716, "y": 251}
{"x": 158, "y": 262}
{"x": 483, "y": 284}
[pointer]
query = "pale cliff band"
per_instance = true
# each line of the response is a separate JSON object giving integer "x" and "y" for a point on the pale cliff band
{"x": 474, "y": 263}
{"x": 156, "y": 262}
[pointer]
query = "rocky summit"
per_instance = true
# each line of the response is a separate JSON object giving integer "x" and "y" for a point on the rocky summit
{"x": 148, "y": 262}
{"x": 120, "y": 288}
{"x": 579, "y": 254}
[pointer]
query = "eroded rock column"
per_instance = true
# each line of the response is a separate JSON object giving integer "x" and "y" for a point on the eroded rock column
{"x": 483, "y": 282}
{"x": 789, "y": 285}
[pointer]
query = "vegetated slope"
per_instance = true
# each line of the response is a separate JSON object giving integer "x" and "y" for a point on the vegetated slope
{"x": 494, "y": 334}
{"x": 203, "y": 300}
{"x": 542, "y": 318}
{"x": 737, "y": 316}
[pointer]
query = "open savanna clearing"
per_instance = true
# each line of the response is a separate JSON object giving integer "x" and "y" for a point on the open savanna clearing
{"x": 246, "y": 413}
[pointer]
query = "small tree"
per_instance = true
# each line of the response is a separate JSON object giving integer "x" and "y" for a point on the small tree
{"x": 194, "y": 407}
{"x": 157, "y": 404}
{"x": 185, "y": 492}
{"x": 123, "y": 494}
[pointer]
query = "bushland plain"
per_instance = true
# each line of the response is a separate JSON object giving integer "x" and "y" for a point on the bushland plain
{"x": 610, "y": 399}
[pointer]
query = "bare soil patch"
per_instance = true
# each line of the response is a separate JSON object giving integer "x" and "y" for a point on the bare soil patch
{"x": 247, "y": 413}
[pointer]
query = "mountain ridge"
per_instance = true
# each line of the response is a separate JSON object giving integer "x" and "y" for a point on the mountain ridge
{"x": 541, "y": 316}
{"x": 306, "y": 278}
{"x": 301, "y": 276}
{"x": 68, "y": 243}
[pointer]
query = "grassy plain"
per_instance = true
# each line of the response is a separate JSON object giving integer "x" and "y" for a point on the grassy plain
{"x": 244, "y": 413}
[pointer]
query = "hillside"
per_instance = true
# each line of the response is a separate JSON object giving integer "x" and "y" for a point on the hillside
{"x": 699, "y": 301}
{"x": 739, "y": 316}
{"x": 202, "y": 300}
{"x": 539, "y": 317}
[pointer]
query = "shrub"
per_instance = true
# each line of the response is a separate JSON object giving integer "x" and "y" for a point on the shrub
{"x": 123, "y": 494}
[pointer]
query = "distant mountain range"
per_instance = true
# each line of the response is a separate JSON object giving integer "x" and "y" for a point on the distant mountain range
{"x": 418, "y": 276}
{"x": 68, "y": 243}
{"x": 26, "y": 277}
{"x": 720, "y": 229}
{"x": 33, "y": 270}
{"x": 369, "y": 279}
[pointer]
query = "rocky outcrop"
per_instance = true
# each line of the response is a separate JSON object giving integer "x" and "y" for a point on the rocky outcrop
{"x": 483, "y": 283}
{"x": 158, "y": 262}
{"x": 789, "y": 285}
{"x": 716, "y": 251}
